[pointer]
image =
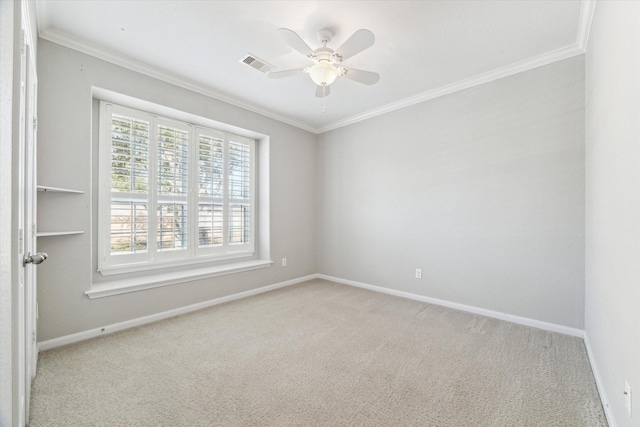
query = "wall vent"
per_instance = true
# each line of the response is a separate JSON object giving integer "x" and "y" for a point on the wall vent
{"x": 256, "y": 63}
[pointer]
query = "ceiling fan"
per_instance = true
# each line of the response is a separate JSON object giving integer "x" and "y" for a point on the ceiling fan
{"x": 327, "y": 62}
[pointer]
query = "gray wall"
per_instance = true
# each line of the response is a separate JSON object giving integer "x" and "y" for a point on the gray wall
{"x": 65, "y": 157}
{"x": 612, "y": 320}
{"x": 483, "y": 189}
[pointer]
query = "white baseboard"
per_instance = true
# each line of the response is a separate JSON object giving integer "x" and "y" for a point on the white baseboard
{"x": 552, "y": 327}
{"x": 600, "y": 385}
{"x": 92, "y": 333}
{"x": 80, "y": 336}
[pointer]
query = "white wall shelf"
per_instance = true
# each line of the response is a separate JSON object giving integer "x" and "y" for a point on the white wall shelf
{"x": 44, "y": 188}
{"x": 57, "y": 233}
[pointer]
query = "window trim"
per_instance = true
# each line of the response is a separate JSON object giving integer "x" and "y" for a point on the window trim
{"x": 194, "y": 255}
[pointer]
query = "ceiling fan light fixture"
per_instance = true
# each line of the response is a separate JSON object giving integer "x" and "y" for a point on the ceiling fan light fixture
{"x": 323, "y": 73}
{"x": 326, "y": 66}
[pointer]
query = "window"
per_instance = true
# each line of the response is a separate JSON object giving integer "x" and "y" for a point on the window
{"x": 171, "y": 193}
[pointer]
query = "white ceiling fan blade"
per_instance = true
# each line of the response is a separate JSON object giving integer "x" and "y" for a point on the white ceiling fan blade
{"x": 294, "y": 40}
{"x": 285, "y": 73}
{"x": 359, "y": 41}
{"x": 361, "y": 76}
{"x": 322, "y": 91}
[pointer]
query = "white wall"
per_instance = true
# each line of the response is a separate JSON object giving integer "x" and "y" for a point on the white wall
{"x": 612, "y": 320}
{"x": 483, "y": 189}
{"x": 65, "y": 160}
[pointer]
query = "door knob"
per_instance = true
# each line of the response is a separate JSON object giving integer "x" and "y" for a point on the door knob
{"x": 37, "y": 258}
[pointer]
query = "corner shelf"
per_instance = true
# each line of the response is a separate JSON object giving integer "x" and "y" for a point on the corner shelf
{"x": 48, "y": 189}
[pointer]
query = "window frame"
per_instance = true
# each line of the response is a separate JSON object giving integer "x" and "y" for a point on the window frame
{"x": 109, "y": 263}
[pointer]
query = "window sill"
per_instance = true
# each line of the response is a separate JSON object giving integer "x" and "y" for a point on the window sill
{"x": 157, "y": 280}
{"x": 149, "y": 267}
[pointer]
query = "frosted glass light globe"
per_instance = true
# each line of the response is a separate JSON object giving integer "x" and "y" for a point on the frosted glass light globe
{"x": 323, "y": 73}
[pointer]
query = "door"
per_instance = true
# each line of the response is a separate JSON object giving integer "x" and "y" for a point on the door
{"x": 30, "y": 193}
{"x": 27, "y": 352}
{"x": 23, "y": 237}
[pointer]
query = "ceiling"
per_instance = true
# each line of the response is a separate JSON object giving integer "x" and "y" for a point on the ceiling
{"x": 423, "y": 49}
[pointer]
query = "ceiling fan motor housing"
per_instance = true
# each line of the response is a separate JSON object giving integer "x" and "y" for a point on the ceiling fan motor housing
{"x": 324, "y": 35}
{"x": 324, "y": 54}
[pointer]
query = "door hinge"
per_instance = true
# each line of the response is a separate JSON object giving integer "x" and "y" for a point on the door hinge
{"x": 33, "y": 335}
{"x": 35, "y": 123}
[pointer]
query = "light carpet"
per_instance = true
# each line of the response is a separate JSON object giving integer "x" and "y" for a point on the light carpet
{"x": 320, "y": 354}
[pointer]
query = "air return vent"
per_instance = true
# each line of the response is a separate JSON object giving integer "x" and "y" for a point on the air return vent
{"x": 256, "y": 63}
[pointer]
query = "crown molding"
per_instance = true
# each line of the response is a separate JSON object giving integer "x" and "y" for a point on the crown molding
{"x": 71, "y": 42}
{"x": 64, "y": 39}
{"x": 43, "y": 16}
{"x": 518, "y": 67}
{"x": 584, "y": 25}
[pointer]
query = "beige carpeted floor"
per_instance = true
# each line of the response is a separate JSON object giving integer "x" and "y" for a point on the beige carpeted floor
{"x": 320, "y": 354}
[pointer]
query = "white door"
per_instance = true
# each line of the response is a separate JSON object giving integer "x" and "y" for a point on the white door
{"x": 23, "y": 236}
{"x": 30, "y": 193}
{"x": 27, "y": 347}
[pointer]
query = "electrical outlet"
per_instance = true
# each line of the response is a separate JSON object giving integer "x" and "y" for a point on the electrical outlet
{"x": 627, "y": 397}
{"x": 284, "y": 262}
{"x": 418, "y": 273}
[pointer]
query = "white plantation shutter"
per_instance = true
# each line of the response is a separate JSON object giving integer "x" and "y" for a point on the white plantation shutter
{"x": 171, "y": 193}
{"x": 240, "y": 178}
{"x": 225, "y": 192}
{"x": 172, "y": 142}
{"x": 211, "y": 166}
{"x": 129, "y": 178}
